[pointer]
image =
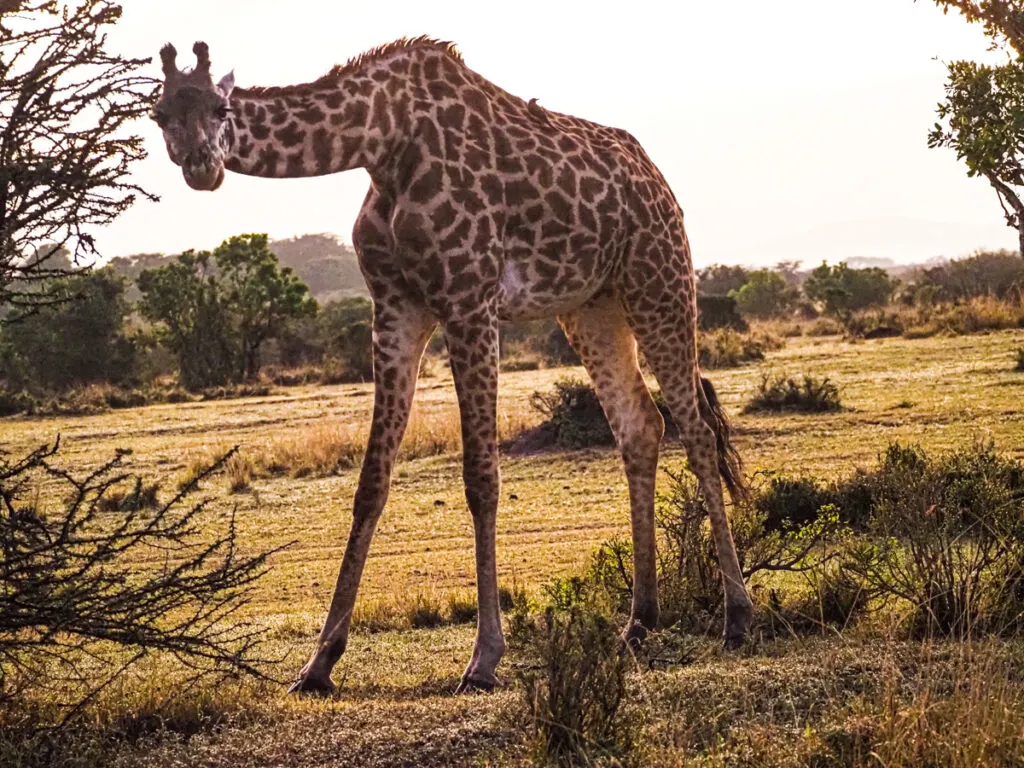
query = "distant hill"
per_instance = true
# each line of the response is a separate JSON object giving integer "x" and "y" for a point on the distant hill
{"x": 899, "y": 240}
{"x": 326, "y": 265}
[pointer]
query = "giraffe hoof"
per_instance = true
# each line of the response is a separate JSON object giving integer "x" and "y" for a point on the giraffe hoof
{"x": 313, "y": 687}
{"x": 733, "y": 641}
{"x": 634, "y": 635}
{"x": 737, "y": 620}
{"x": 469, "y": 685}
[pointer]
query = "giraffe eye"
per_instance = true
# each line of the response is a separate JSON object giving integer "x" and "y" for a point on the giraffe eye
{"x": 222, "y": 112}
{"x": 161, "y": 118}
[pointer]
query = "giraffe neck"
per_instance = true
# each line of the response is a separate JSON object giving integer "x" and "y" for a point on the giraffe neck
{"x": 358, "y": 117}
{"x": 317, "y": 132}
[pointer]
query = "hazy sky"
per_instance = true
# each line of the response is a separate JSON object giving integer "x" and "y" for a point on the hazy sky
{"x": 788, "y": 129}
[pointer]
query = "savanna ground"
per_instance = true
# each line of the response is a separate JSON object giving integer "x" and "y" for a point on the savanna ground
{"x": 773, "y": 703}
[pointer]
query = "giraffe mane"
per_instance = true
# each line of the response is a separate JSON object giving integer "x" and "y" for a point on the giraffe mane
{"x": 401, "y": 45}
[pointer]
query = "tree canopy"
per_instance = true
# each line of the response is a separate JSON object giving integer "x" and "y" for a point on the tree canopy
{"x": 982, "y": 117}
{"x": 1003, "y": 19}
{"x": 842, "y": 289}
{"x": 982, "y": 120}
{"x": 216, "y": 309}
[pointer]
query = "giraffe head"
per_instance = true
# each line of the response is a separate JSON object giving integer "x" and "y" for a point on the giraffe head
{"x": 193, "y": 114}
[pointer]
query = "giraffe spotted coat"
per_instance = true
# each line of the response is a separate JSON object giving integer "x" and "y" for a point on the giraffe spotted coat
{"x": 482, "y": 207}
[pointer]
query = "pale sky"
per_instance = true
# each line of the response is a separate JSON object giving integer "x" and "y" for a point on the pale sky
{"x": 788, "y": 129}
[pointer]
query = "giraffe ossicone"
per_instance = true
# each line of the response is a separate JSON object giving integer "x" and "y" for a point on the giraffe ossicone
{"x": 483, "y": 206}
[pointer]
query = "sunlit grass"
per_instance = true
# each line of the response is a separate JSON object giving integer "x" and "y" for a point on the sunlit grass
{"x": 293, "y": 481}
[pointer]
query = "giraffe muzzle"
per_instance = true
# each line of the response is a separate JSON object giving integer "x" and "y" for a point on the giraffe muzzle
{"x": 202, "y": 171}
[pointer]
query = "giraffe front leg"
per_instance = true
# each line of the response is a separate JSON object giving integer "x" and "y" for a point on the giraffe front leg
{"x": 473, "y": 353}
{"x": 400, "y": 333}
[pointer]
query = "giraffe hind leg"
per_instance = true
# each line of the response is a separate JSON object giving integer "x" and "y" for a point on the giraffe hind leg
{"x": 668, "y": 340}
{"x": 601, "y": 336}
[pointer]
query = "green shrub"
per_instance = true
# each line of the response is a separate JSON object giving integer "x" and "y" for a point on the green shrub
{"x": 126, "y": 398}
{"x": 138, "y": 497}
{"x": 574, "y": 415}
{"x": 725, "y": 348}
{"x": 836, "y": 597}
{"x": 461, "y": 609}
{"x": 879, "y": 324}
{"x": 780, "y": 394}
{"x": 426, "y": 615}
{"x": 719, "y": 311}
{"x": 946, "y": 539}
{"x": 689, "y": 578}
{"x": 788, "y": 502}
{"x": 12, "y": 403}
{"x": 575, "y": 418}
{"x": 825, "y": 326}
{"x": 520, "y": 362}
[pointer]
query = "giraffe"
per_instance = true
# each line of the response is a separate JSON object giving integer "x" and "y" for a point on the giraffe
{"x": 483, "y": 207}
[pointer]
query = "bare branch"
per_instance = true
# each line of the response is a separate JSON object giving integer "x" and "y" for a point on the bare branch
{"x": 72, "y": 588}
{"x": 66, "y": 105}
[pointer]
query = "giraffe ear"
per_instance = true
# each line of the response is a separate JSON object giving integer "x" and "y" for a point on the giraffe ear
{"x": 227, "y": 83}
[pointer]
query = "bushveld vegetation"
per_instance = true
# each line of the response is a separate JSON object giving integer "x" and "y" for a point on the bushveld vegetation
{"x": 141, "y": 624}
{"x": 871, "y": 653}
{"x": 168, "y": 329}
{"x": 778, "y": 393}
{"x": 932, "y": 547}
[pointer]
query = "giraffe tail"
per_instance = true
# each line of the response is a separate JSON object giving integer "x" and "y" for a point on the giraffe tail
{"x": 730, "y": 466}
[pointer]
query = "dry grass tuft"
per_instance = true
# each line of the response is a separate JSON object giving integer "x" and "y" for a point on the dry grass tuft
{"x": 323, "y": 449}
{"x": 126, "y": 497}
{"x": 961, "y": 715}
{"x": 414, "y": 610}
{"x": 240, "y": 471}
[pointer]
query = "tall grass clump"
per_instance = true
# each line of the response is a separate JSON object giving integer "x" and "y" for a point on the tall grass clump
{"x": 783, "y": 394}
{"x": 956, "y": 713}
{"x": 726, "y": 348}
{"x": 576, "y": 683}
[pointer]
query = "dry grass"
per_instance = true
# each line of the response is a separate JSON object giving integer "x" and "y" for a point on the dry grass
{"x": 423, "y": 609}
{"x": 322, "y": 449}
{"x": 788, "y": 703}
{"x": 859, "y": 703}
{"x": 967, "y": 716}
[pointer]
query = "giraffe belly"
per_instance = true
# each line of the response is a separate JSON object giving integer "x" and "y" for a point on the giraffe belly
{"x": 525, "y": 295}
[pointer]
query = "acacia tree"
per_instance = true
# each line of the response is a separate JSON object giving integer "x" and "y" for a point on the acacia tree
{"x": 65, "y": 144}
{"x": 1003, "y": 19}
{"x": 261, "y": 294}
{"x": 982, "y": 118}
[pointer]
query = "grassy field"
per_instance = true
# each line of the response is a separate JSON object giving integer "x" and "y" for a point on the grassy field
{"x": 394, "y": 706}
